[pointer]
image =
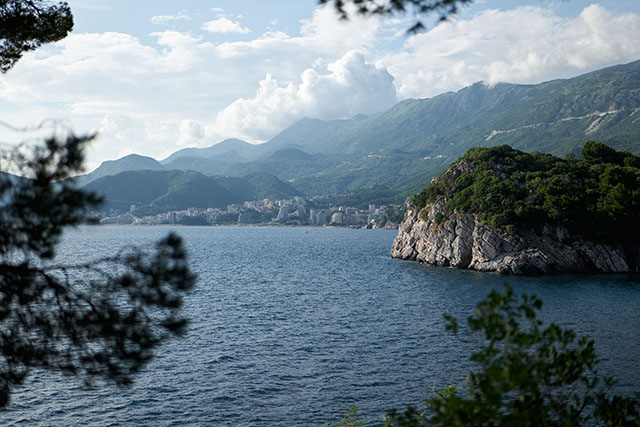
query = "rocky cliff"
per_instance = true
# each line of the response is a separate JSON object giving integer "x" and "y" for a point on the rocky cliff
{"x": 463, "y": 241}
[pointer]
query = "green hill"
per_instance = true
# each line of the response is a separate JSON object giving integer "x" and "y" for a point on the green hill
{"x": 597, "y": 195}
{"x": 289, "y": 154}
{"x": 193, "y": 189}
{"x": 266, "y": 186}
{"x": 555, "y": 117}
{"x": 199, "y": 164}
{"x": 223, "y": 148}
{"x": 259, "y": 186}
{"x": 132, "y": 162}
{"x": 391, "y": 154}
{"x": 132, "y": 187}
{"x": 176, "y": 190}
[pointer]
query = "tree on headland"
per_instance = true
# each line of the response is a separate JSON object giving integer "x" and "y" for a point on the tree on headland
{"x": 597, "y": 195}
{"x": 97, "y": 320}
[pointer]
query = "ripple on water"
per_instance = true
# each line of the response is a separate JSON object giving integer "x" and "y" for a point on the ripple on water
{"x": 290, "y": 327}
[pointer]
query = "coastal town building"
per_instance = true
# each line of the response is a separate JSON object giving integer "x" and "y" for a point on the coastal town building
{"x": 297, "y": 211}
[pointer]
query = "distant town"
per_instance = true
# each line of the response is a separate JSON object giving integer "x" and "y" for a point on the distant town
{"x": 298, "y": 211}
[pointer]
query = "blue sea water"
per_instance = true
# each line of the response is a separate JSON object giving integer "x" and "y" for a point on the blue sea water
{"x": 292, "y": 326}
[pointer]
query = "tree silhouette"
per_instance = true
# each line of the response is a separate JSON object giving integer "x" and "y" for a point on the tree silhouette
{"x": 443, "y": 8}
{"x": 100, "y": 319}
{"x": 27, "y": 24}
{"x": 96, "y": 320}
{"x": 528, "y": 375}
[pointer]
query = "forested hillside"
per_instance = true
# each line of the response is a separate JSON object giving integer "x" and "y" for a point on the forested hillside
{"x": 392, "y": 154}
{"x": 597, "y": 195}
{"x": 180, "y": 190}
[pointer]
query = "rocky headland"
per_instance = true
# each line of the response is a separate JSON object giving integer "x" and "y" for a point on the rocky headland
{"x": 439, "y": 233}
{"x": 463, "y": 241}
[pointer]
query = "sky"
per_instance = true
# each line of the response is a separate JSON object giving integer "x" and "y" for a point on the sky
{"x": 154, "y": 76}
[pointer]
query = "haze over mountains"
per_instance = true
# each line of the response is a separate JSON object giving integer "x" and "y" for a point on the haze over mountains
{"x": 175, "y": 189}
{"x": 391, "y": 154}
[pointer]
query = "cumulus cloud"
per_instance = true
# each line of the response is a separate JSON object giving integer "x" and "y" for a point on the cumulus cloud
{"x": 106, "y": 67}
{"x": 155, "y": 94}
{"x": 191, "y": 133}
{"x": 182, "y": 52}
{"x": 121, "y": 133}
{"x": 225, "y": 25}
{"x": 138, "y": 93}
{"x": 147, "y": 95}
{"x": 165, "y": 19}
{"x": 351, "y": 86}
{"x": 126, "y": 130}
{"x": 82, "y": 67}
{"x": 88, "y": 108}
{"x": 321, "y": 35}
{"x": 119, "y": 67}
{"x": 525, "y": 45}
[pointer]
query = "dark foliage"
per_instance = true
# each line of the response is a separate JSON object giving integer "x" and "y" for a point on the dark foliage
{"x": 101, "y": 319}
{"x": 374, "y": 194}
{"x": 393, "y": 214}
{"x": 194, "y": 220}
{"x": 444, "y": 8}
{"x": 529, "y": 375}
{"x": 27, "y": 24}
{"x": 598, "y": 196}
{"x": 227, "y": 218}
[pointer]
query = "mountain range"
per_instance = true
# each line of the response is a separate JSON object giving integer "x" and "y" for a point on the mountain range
{"x": 391, "y": 154}
{"x": 174, "y": 189}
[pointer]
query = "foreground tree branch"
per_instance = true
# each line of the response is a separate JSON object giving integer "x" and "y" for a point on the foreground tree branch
{"x": 27, "y": 24}
{"x": 443, "y": 8}
{"x": 528, "y": 375}
{"x": 99, "y": 320}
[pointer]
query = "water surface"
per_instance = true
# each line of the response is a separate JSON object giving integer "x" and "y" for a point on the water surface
{"x": 291, "y": 326}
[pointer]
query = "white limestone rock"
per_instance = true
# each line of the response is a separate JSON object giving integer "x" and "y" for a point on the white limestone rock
{"x": 463, "y": 241}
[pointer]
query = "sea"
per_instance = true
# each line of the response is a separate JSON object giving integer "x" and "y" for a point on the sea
{"x": 293, "y": 326}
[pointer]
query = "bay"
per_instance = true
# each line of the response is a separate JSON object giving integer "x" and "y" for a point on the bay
{"x": 292, "y": 326}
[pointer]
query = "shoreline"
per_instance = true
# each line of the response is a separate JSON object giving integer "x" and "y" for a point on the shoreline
{"x": 241, "y": 225}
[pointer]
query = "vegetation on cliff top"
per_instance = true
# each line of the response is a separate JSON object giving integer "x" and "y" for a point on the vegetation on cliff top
{"x": 597, "y": 195}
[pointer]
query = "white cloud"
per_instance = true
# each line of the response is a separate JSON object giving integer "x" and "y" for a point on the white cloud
{"x": 88, "y": 108}
{"x": 322, "y": 35}
{"x": 524, "y": 45}
{"x": 164, "y": 19}
{"x": 225, "y": 25}
{"x": 105, "y": 68}
{"x": 82, "y": 67}
{"x": 122, "y": 133}
{"x": 351, "y": 86}
{"x": 182, "y": 51}
{"x": 154, "y": 95}
{"x": 127, "y": 131}
{"x": 191, "y": 133}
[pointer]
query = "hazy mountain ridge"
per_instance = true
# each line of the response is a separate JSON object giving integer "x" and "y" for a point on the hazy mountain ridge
{"x": 123, "y": 164}
{"x": 184, "y": 189}
{"x": 403, "y": 147}
{"x": 221, "y": 149}
{"x": 467, "y": 117}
